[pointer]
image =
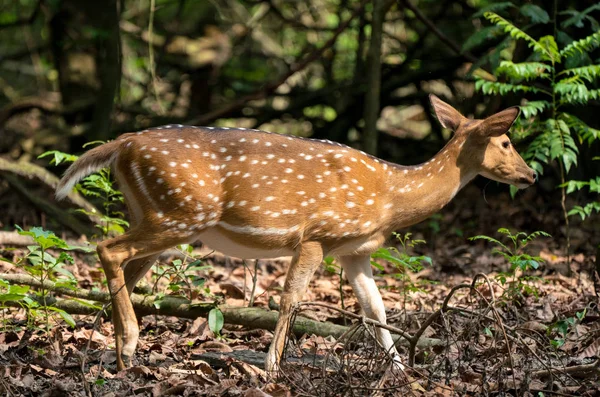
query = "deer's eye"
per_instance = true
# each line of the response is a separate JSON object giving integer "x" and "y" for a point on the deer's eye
{"x": 506, "y": 144}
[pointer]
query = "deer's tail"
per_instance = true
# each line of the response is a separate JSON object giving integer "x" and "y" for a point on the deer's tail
{"x": 90, "y": 162}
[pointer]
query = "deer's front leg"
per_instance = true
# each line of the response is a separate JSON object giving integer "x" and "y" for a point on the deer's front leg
{"x": 360, "y": 276}
{"x": 307, "y": 258}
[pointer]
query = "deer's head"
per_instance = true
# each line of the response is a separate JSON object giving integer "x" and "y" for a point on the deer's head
{"x": 484, "y": 145}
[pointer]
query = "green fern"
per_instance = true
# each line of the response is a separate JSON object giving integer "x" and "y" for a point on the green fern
{"x": 524, "y": 70}
{"x": 582, "y": 46}
{"x": 497, "y": 88}
{"x": 567, "y": 77}
{"x": 589, "y": 73}
{"x": 517, "y": 33}
{"x": 585, "y": 133}
{"x": 533, "y": 108}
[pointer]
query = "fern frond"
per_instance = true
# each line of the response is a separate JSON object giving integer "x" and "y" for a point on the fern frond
{"x": 562, "y": 145}
{"x": 589, "y": 73}
{"x": 524, "y": 70}
{"x": 489, "y": 240}
{"x": 519, "y": 34}
{"x": 572, "y": 91}
{"x": 538, "y": 152}
{"x": 583, "y": 131}
{"x": 497, "y": 88}
{"x": 584, "y": 45}
{"x": 532, "y": 108}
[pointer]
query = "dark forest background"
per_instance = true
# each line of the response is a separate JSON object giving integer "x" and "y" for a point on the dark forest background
{"x": 357, "y": 72}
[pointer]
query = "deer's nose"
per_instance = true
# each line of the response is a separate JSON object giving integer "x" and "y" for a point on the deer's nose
{"x": 535, "y": 176}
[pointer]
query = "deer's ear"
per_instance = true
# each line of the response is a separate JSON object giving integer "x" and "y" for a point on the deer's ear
{"x": 446, "y": 114}
{"x": 499, "y": 123}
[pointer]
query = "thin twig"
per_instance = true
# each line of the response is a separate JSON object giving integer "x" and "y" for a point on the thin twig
{"x": 254, "y": 281}
{"x": 152, "y": 64}
{"x": 390, "y": 328}
{"x": 271, "y": 87}
{"x": 445, "y": 39}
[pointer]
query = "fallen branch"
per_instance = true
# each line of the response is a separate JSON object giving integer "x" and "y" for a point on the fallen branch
{"x": 57, "y": 213}
{"x": 14, "y": 239}
{"x": 581, "y": 371}
{"x": 45, "y": 105}
{"x": 251, "y": 317}
{"x": 32, "y": 171}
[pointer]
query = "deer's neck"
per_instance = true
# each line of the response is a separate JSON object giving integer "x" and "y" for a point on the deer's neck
{"x": 421, "y": 190}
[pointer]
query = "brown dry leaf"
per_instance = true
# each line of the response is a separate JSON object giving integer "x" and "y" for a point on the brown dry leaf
{"x": 196, "y": 367}
{"x": 320, "y": 343}
{"x": 138, "y": 371}
{"x": 231, "y": 290}
{"x": 446, "y": 391}
{"x": 593, "y": 350}
{"x": 214, "y": 346}
{"x": 98, "y": 340}
{"x": 277, "y": 390}
{"x": 250, "y": 370}
{"x": 156, "y": 357}
{"x": 197, "y": 326}
{"x": 254, "y": 392}
{"x": 534, "y": 326}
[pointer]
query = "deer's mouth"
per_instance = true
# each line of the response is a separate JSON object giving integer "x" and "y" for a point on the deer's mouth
{"x": 526, "y": 179}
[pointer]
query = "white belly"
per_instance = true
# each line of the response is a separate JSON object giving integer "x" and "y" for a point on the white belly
{"x": 220, "y": 242}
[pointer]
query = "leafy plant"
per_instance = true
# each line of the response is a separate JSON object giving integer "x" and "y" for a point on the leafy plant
{"x": 558, "y": 75}
{"x": 564, "y": 326}
{"x": 100, "y": 186}
{"x": 404, "y": 263}
{"x": 332, "y": 267}
{"x": 182, "y": 274}
{"x": 41, "y": 264}
{"x": 521, "y": 263}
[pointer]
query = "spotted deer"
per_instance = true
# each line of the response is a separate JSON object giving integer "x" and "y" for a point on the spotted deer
{"x": 254, "y": 194}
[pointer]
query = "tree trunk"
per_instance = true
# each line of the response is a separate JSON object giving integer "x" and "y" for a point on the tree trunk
{"x": 372, "y": 99}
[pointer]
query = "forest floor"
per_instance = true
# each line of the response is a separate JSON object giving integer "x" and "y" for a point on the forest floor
{"x": 537, "y": 334}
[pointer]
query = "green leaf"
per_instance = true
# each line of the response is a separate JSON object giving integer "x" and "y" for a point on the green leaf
{"x": 66, "y": 316}
{"x": 533, "y": 108}
{"x": 581, "y": 46}
{"x": 589, "y": 73}
{"x": 535, "y": 13}
{"x": 524, "y": 70}
{"x": 46, "y": 239}
{"x": 584, "y": 132}
{"x": 215, "y": 320}
{"x": 10, "y": 297}
{"x": 489, "y": 239}
{"x": 59, "y": 157}
{"x": 517, "y": 33}
{"x": 497, "y": 88}
{"x": 548, "y": 43}
{"x": 577, "y": 17}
